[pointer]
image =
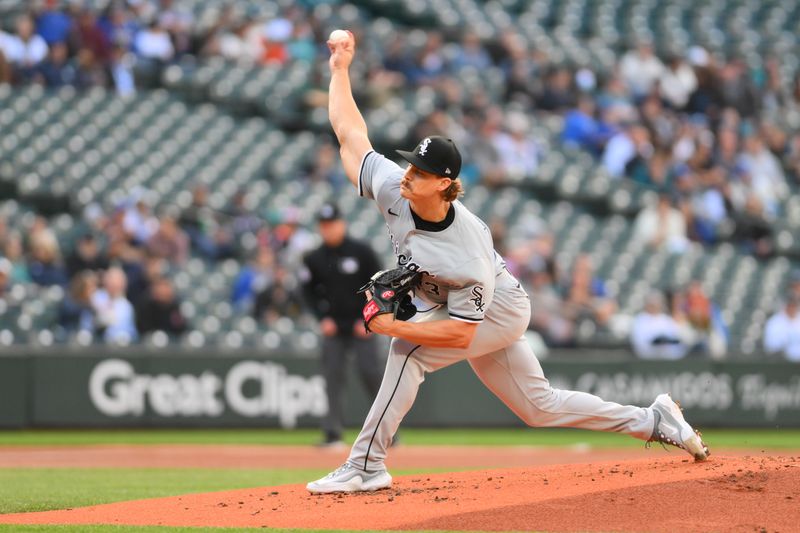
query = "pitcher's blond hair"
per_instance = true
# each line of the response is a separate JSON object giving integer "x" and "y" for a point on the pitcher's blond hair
{"x": 454, "y": 191}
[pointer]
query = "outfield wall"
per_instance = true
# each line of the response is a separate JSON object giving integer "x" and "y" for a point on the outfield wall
{"x": 129, "y": 388}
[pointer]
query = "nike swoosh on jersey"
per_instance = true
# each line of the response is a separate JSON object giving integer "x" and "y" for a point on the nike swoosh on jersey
{"x": 392, "y": 212}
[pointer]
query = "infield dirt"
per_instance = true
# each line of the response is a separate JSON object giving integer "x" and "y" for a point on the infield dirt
{"x": 731, "y": 492}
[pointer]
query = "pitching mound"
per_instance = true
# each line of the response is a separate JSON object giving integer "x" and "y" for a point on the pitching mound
{"x": 727, "y": 493}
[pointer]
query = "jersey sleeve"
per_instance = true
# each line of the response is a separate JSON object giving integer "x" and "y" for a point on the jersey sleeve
{"x": 470, "y": 302}
{"x": 379, "y": 179}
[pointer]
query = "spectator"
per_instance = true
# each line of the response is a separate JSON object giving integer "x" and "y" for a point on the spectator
{"x": 794, "y": 283}
{"x": 275, "y": 35}
{"x": 89, "y": 35}
{"x": 655, "y": 334}
{"x": 87, "y": 255}
{"x": 160, "y": 310}
{"x": 45, "y": 266}
{"x": 139, "y": 222}
{"x": 614, "y": 103}
{"x": 132, "y": 262}
{"x": 280, "y": 298}
{"x": 121, "y": 69}
{"x": 726, "y": 152}
{"x": 734, "y": 89}
{"x": 115, "y": 314}
{"x": 518, "y": 151}
{"x": 706, "y": 329}
{"x": 206, "y": 234}
{"x": 324, "y": 167}
{"x": 77, "y": 313}
{"x": 5, "y": 277}
{"x": 471, "y": 53}
{"x": 549, "y": 317}
{"x": 641, "y": 69}
{"x": 169, "y": 241}
{"x": 119, "y": 27}
{"x": 582, "y": 129}
{"x": 752, "y": 229}
{"x": 12, "y": 251}
{"x": 154, "y": 48}
{"x": 766, "y": 177}
{"x": 229, "y": 42}
{"x": 396, "y": 58}
{"x": 289, "y": 239}
{"x": 144, "y": 11}
{"x": 23, "y": 50}
{"x": 482, "y": 162}
{"x": 587, "y": 296}
{"x": 661, "y": 226}
{"x": 90, "y": 72}
{"x": 253, "y": 279}
{"x": 178, "y": 22}
{"x": 197, "y": 221}
{"x": 57, "y": 70}
{"x": 52, "y": 24}
{"x": 558, "y": 93}
{"x": 302, "y": 46}
{"x": 145, "y": 272}
{"x": 662, "y": 126}
{"x": 791, "y": 157}
{"x": 626, "y": 149}
{"x": 782, "y": 331}
{"x": 430, "y": 63}
{"x": 243, "y": 221}
{"x": 678, "y": 81}
{"x": 6, "y": 74}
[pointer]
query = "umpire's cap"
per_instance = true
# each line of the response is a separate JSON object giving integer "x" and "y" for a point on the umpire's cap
{"x": 329, "y": 211}
{"x": 437, "y": 155}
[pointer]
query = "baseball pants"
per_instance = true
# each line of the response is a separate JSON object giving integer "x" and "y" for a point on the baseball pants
{"x": 335, "y": 352}
{"x": 504, "y": 361}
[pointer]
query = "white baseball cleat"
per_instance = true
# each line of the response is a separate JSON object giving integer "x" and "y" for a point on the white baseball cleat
{"x": 348, "y": 478}
{"x": 671, "y": 428}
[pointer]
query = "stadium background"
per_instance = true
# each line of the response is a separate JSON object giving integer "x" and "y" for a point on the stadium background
{"x": 190, "y": 140}
{"x": 196, "y": 152}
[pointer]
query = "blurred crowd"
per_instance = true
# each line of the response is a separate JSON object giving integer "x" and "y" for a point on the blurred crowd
{"x": 128, "y": 42}
{"x": 118, "y": 276}
{"x": 704, "y": 131}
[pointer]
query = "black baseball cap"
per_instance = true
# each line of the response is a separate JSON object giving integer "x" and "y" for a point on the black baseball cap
{"x": 435, "y": 154}
{"x": 329, "y": 211}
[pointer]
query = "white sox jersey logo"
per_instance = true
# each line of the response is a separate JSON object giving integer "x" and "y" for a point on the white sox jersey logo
{"x": 477, "y": 293}
{"x": 423, "y": 147}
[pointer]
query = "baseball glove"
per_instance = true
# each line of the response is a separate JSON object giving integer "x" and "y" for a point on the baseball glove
{"x": 390, "y": 291}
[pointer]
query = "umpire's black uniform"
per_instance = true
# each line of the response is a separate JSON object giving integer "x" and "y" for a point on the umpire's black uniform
{"x": 333, "y": 274}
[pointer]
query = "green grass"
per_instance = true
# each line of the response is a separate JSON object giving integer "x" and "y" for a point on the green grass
{"x": 160, "y": 529}
{"x": 30, "y": 489}
{"x": 727, "y": 438}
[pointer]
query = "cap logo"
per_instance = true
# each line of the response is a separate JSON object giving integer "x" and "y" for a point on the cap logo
{"x": 423, "y": 146}
{"x": 447, "y": 170}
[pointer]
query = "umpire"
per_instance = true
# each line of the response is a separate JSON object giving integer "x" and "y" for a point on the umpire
{"x": 333, "y": 274}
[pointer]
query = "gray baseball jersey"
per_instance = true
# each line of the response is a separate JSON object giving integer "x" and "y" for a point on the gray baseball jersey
{"x": 468, "y": 281}
{"x": 456, "y": 257}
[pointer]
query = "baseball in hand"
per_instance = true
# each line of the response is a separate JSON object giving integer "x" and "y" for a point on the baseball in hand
{"x": 338, "y": 35}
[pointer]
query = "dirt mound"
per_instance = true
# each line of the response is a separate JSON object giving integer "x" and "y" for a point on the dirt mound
{"x": 727, "y": 493}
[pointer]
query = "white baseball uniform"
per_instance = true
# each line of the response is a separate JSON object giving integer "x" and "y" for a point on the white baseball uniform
{"x": 465, "y": 279}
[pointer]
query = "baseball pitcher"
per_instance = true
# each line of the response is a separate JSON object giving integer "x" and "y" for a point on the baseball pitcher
{"x": 468, "y": 306}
